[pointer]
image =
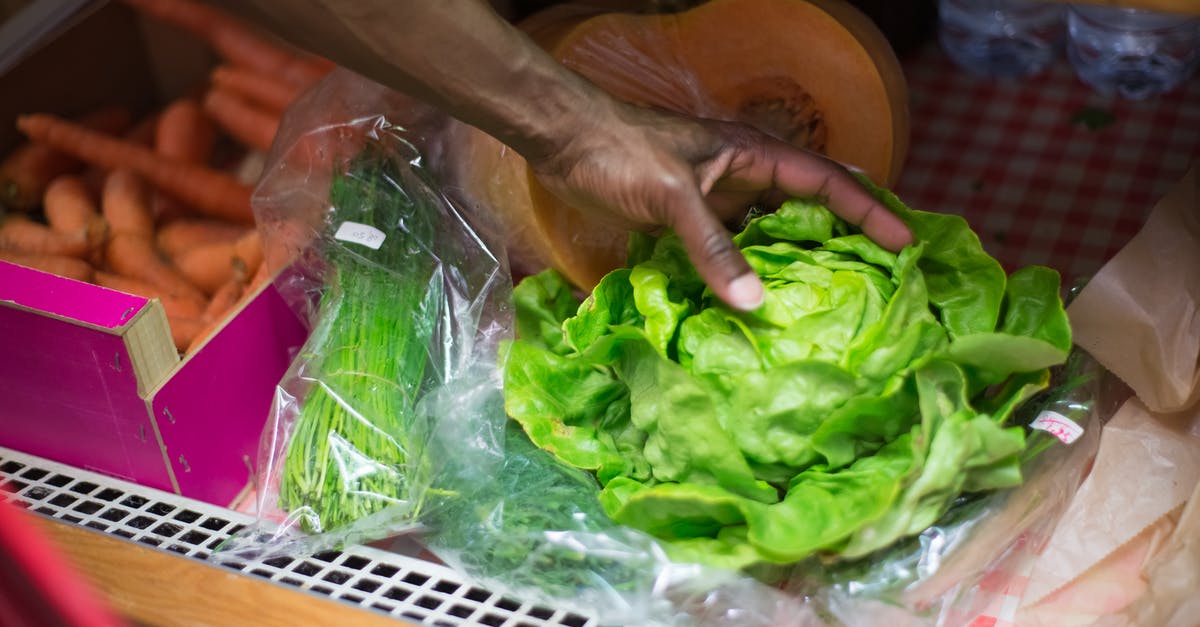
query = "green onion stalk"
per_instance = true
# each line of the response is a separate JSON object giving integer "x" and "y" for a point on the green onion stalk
{"x": 355, "y": 437}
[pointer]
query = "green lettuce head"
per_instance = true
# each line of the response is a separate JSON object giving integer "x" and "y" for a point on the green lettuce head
{"x": 869, "y": 391}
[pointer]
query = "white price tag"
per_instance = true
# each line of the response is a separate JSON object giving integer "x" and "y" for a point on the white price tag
{"x": 1058, "y": 426}
{"x": 364, "y": 234}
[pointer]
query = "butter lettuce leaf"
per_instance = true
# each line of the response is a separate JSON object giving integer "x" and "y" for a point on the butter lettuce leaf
{"x": 848, "y": 412}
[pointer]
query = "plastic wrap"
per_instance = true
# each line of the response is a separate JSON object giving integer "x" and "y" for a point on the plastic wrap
{"x": 399, "y": 288}
{"x": 532, "y": 528}
{"x": 469, "y": 484}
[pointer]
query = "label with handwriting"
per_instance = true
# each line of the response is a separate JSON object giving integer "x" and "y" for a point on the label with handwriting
{"x": 1058, "y": 426}
{"x": 364, "y": 234}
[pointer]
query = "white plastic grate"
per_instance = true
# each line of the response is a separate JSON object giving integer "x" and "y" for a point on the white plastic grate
{"x": 369, "y": 578}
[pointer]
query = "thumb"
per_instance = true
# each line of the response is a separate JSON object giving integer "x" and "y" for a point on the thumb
{"x": 718, "y": 261}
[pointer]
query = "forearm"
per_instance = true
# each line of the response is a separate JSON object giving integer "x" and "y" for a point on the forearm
{"x": 457, "y": 55}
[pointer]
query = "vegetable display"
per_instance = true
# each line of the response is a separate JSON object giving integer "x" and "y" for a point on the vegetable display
{"x": 868, "y": 392}
{"x": 884, "y": 384}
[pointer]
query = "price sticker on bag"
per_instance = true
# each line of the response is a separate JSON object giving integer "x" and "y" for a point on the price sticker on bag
{"x": 363, "y": 234}
{"x": 1058, "y": 426}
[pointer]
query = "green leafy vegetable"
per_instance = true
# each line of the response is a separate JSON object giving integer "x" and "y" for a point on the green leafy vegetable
{"x": 367, "y": 356}
{"x": 525, "y": 526}
{"x": 868, "y": 392}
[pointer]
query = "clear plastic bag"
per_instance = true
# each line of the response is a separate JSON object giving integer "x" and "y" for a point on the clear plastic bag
{"x": 467, "y": 482}
{"x": 400, "y": 289}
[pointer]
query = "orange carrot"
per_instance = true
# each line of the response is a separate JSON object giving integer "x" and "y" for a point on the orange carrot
{"x": 61, "y": 265}
{"x": 19, "y": 234}
{"x": 135, "y": 256}
{"x": 125, "y": 203}
{"x": 210, "y": 266}
{"x": 141, "y": 133}
{"x": 70, "y": 209}
{"x": 176, "y": 236}
{"x": 249, "y": 251}
{"x": 184, "y": 332}
{"x": 236, "y": 42}
{"x": 28, "y": 169}
{"x": 167, "y": 209}
{"x": 198, "y": 337}
{"x": 263, "y": 275}
{"x": 69, "y": 205}
{"x": 214, "y": 193}
{"x": 252, "y": 126}
{"x": 224, "y": 300}
{"x": 175, "y": 306}
{"x": 185, "y": 132}
{"x": 264, "y": 91}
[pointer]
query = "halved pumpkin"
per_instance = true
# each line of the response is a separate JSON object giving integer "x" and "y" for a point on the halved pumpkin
{"x": 816, "y": 73}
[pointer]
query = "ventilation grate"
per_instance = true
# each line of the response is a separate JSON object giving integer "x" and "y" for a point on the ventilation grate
{"x": 365, "y": 577}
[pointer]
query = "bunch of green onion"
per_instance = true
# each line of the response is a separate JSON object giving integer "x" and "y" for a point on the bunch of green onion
{"x": 354, "y": 436}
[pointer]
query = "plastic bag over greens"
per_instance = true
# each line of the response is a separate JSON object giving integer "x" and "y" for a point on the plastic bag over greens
{"x": 646, "y": 455}
{"x": 398, "y": 287}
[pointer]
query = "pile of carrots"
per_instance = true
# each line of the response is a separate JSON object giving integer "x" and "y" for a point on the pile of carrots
{"x": 154, "y": 206}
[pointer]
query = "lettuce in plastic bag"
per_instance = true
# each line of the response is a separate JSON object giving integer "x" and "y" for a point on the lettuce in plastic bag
{"x": 849, "y": 411}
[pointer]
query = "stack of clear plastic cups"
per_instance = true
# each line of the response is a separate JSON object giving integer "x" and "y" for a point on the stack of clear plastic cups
{"x": 1133, "y": 53}
{"x": 1001, "y": 38}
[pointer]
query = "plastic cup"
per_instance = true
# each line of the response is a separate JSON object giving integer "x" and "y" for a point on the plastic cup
{"x": 1133, "y": 53}
{"x": 1001, "y": 38}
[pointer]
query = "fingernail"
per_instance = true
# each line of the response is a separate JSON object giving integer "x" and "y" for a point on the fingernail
{"x": 746, "y": 292}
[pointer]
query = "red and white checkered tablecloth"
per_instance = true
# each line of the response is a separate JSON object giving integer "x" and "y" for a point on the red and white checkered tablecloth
{"x": 1038, "y": 186}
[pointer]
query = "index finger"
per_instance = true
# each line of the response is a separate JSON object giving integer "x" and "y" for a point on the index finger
{"x": 711, "y": 249}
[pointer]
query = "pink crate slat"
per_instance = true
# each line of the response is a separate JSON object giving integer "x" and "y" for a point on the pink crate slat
{"x": 75, "y": 300}
{"x": 69, "y": 394}
{"x": 1036, "y": 184}
{"x": 219, "y": 400}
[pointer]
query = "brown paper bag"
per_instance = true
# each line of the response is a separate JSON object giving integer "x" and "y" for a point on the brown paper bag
{"x": 1140, "y": 315}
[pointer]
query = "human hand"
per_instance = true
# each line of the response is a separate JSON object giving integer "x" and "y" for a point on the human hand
{"x": 638, "y": 168}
